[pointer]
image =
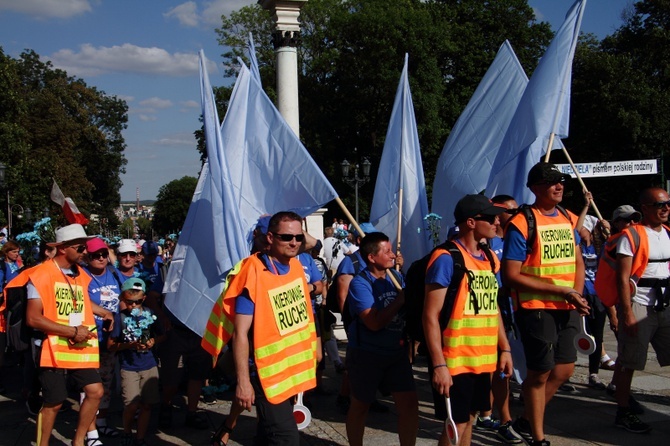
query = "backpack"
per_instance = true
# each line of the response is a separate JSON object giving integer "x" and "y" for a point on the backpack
{"x": 415, "y": 288}
{"x": 606, "y": 276}
{"x": 16, "y": 296}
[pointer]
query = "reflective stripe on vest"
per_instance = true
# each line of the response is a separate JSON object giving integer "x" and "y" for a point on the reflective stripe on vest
{"x": 551, "y": 260}
{"x": 219, "y": 328}
{"x": 470, "y": 340}
{"x": 55, "y": 290}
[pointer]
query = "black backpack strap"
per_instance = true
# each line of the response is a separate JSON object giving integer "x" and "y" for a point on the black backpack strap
{"x": 532, "y": 227}
{"x": 457, "y": 277}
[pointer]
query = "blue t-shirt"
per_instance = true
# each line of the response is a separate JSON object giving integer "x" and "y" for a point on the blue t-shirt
{"x": 590, "y": 268}
{"x": 133, "y": 360}
{"x": 152, "y": 277}
{"x": 8, "y": 270}
{"x": 496, "y": 245}
{"x": 365, "y": 292}
{"x": 312, "y": 273}
{"x": 347, "y": 265}
{"x": 104, "y": 290}
{"x": 442, "y": 270}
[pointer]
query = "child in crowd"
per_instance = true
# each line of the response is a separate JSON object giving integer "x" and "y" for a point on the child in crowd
{"x": 133, "y": 337}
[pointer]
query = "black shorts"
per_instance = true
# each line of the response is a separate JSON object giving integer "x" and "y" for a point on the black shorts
{"x": 469, "y": 393}
{"x": 369, "y": 372}
{"x": 54, "y": 382}
{"x": 547, "y": 337}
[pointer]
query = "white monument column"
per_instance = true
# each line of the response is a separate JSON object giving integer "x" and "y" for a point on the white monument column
{"x": 285, "y": 40}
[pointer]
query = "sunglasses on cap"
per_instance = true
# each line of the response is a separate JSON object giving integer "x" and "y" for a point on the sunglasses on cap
{"x": 288, "y": 237}
{"x": 658, "y": 204}
{"x": 98, "y": 255}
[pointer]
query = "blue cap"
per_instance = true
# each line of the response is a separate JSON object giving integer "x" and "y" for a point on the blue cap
{"x": 366, "y": 228}
{"x": 263, "y": 223}
{"x": 150, "y": 248}
{"x": 134, "y": 283}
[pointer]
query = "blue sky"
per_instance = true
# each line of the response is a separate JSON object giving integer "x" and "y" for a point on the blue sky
{"x": 145, "y": 52}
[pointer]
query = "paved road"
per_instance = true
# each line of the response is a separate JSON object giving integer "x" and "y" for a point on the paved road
{"x": 583, "y": 417}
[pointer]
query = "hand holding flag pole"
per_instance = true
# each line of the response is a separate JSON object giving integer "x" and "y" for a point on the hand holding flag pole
{"x": 353, "y": 221}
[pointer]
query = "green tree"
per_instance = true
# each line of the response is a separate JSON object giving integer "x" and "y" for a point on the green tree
{"x": 55, "y": 126}
{"x": 172, "y": 203}
{"x": 127, "y": 228}
{"x": 621, "y": 101}
{"x": 145, "y": 227}
{"x": 351, "y": 55}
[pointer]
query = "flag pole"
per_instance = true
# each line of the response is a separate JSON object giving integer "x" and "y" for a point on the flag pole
{"x": 353, "y": 221}
{"x": 581, "y": 182}
{"x": 397, "y": 267}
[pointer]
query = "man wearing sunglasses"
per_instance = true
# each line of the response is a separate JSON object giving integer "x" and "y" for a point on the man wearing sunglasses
{"x": 274, "y": 337}
{"x": 126, "y": 254}
{"x": 643, "y": 256}
{"x": 547, "y": 278}
{"x": 59, "y": 305}
{"x": 462, "y": 370}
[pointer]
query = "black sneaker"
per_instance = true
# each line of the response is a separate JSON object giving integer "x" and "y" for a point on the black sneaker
{"x": 486, "y": 424}
{"x": 626, "y": 419}
{"x": 194, "y": 421}
{"x": 540, "y": 443}
{"x": 522, "y": 427}
{"x": 507, "y": 434}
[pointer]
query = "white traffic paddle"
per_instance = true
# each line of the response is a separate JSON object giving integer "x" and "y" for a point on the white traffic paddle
{"x": 301, "y": 413}
{"x": 449, "y": 425}
{"x": 584, "y": 342}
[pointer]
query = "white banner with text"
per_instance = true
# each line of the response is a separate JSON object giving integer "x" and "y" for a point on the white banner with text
{"x": 611, "y": 168}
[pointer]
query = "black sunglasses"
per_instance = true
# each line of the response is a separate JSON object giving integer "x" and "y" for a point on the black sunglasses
{"x": 490, "y": 219}
{"x": 128, "y": 254}
{"x": 289, "y": 237}
{"x": 133, "y": 302}
{"x": 658, "y": 204}
{"x": 98, "y": 255}
{"x": 78, "y": 248}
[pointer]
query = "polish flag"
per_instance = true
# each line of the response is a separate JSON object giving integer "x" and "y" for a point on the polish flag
{"x": 72, "y": 214}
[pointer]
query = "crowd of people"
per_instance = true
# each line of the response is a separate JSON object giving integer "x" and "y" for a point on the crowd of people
{"x": 508, "y": 273}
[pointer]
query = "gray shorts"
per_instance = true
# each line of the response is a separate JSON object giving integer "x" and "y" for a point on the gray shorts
{"x": 140, "y": 387}
{"x": 653, "y": 327}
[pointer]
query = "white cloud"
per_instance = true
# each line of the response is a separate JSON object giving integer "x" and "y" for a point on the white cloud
{"x": 147, "y": 118}
{"x": 186, "y": 14}
{"x": 92, "y": 61}
{"x": 156, "y": 103}
{"x": 190, "y": 104}
{"x": 179, "y": 139}
{"x": 125, "y": 97}
{"x": 43, "y": 9}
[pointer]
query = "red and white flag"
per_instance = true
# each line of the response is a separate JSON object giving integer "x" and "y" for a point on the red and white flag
{"x": 72, "y": 214}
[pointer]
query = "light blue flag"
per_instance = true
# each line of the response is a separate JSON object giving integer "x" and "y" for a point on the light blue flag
{"x": 213, "y": 238}
{"x": 544, "y": 109}
{"x": 256, "y": 165}
{"x": 467, "y": 157}
{"x": 253, "y": 62}
{"x": 401, "y": 167}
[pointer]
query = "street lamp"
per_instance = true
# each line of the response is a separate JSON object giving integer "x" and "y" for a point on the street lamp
{"x": 355, "y": 180}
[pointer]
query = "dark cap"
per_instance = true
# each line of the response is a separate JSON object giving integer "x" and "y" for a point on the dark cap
{"x": 473, "y": 205}
{"x": 545, "y": 173}
{"x": 150, "y": 248}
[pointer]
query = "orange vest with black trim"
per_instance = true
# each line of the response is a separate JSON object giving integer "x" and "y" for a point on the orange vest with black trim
{"x": 284, "y": 335}
{"x": 552, "y": 259}
{"x": 470, "y": 339}
{"x": 56, "y": 293}
{"x": 606, "y": 277}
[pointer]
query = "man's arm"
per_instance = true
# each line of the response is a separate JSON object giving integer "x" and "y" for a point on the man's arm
{"x": 343, "y": 281}
{"x": 244, "y": 394}
{"x": 36, "y": 320}
{"x": 512, "y": 278}
{"x": 624, "y": 265}
{"x": 375, "y": 319}
{"x": 506, "y": 365}
{"x": 435, "y": 296}
{"x": 104, "y": 313}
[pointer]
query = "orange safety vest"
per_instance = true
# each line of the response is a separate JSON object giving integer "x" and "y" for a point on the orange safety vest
{"x": 284, "y": 334}
{"x": 56, "y": 293}
{"x": 606, "y": 276}
{"x": 552, "y": 259}
{"x": 470, "y": 339}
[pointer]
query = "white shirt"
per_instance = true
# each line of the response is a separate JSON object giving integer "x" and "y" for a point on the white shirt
{"x": 659, "y": 248}
{"x": 333, "y": 252}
